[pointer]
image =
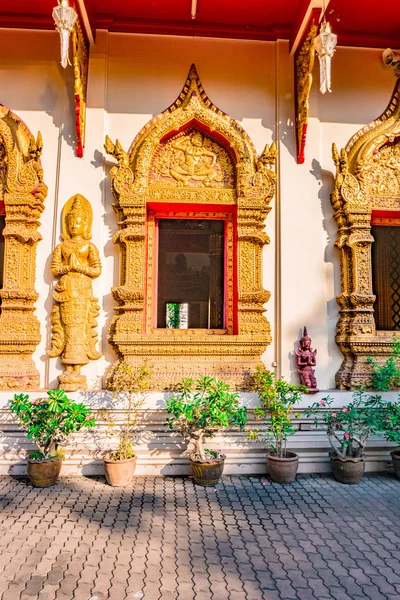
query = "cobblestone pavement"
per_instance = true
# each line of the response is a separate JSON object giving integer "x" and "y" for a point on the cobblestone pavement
{"x": 165, "y": 538}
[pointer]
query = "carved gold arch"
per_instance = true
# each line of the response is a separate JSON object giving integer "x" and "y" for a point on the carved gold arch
{"x": 23, "y": 192}
{"x": 236, "y": 181}
{"x": 367, "y": 180}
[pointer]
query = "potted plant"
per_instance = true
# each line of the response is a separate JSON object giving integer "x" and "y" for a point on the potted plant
{"x": 349, "y": 429}
{"x": 391, "y": 432}
{"x": 49, "y": 422}
{"x": 129, "y": 384}
{"x": 384, "y": 378}
{"x": 199, "y": 409}
{"x": 278, "y": 399}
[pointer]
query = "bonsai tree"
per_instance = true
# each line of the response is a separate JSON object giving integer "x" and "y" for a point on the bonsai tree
{"x": 50, "y": 421}
{"x": 202, "y": 407}
{"x": 134, "y": 383}
{"x": 349, "y": 428}
{"x": 278, "y": 399}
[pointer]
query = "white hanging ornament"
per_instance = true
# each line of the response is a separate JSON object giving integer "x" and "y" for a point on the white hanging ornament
{"x": 325, "y": 44}
{"x": 64, "y": 18}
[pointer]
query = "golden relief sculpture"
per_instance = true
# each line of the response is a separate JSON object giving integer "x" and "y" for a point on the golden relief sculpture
{"x": 192, "y": 159}
{"x": 23, "y": 192}
{"x": 76, "y": 262}
{"x": 192, "y": 153}
{"x": 367, "y": 179}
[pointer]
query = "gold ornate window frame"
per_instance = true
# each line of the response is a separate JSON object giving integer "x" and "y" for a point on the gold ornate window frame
{"x": 178, "y": 353}
{"x": 366, "y": 181}
{"x": 24, "y": 193}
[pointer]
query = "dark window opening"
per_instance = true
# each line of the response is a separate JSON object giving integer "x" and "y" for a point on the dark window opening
{"x": 386, "y": 277}
{"x": 190, "y": 274}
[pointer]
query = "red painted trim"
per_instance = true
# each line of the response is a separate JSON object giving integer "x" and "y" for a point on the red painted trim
{"x": 300, "y": 155}
{"x": 145, "y": 286}
{"x": 79, "y": 139}
{"x": 385, "y": 218}
{"x": 155, "y": 273}
{"x": 162, "y": 207}
{"x": 388, "y": 214}
{"x": 2, "y": 209}
{"x": 190, "y": 28}
{"x": 235, "y": 275}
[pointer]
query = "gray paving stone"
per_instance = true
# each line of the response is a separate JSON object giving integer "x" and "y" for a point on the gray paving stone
{"x": 170, "y": 540}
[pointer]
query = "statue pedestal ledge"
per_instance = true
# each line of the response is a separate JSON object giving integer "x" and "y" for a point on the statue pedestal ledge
{"x": 72, "y": 381}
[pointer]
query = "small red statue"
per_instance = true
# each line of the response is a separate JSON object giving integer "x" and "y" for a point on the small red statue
{"x": 306, "y": 360}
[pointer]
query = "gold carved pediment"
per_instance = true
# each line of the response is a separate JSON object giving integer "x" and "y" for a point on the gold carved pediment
{"x": 194, "y": 154}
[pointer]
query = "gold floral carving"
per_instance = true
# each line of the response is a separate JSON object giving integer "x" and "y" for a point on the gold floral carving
{"x": 304, "y": 63}
{"x": 23, "y": 192}
{"x": 76, "y": 262}
{"x": 80, "y": 50}
{"x": 192, "y": 153}
{"x": 367, "y": 179}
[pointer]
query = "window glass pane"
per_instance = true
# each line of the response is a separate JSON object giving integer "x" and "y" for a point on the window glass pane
{"x": 190, "y": 274}
{"x": 386, "y": 277}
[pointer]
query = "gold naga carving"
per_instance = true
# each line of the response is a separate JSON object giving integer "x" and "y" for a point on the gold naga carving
{"x": 80, "y": 53}
{"x": 23, "y": 192}
{"x": 304, "y": 63}
{"x": 367, "y": 179}
{"x": 76, "y": 262}
{"x": 192, "y": 154}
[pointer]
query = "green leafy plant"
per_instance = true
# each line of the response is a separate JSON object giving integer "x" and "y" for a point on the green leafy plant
{"x": 387, "y": 376}
{"x": 202, "y": 407}
{"x": 278, "y": 399}
{"x": 133, "y": 383}
{"x": 50, "y": 421}
{"x": 349, "y": 428}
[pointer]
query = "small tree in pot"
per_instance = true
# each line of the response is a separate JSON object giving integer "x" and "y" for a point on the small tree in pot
{"x": 349, "y": 429}
{"x": 49, "y": 422}
{"x": 384, "y": 378}
{"x": 198, "y": 410}
{"x": 278, "y": 399}
{"x": 129, "y": 384}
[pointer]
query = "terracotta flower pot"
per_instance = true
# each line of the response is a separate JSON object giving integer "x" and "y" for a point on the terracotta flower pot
{"x": 348, "y": 470}
{"x": 44, "y": 473}
{"x": 283, "y": 470}
{"x": 396, "y": 461}
{"x": 206, "y": 473}
{"x": 119, "y": 472}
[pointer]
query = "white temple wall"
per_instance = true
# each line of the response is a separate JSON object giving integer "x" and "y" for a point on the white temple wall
{"x": 131, "y": 79}
{"x": 134, "y": 77}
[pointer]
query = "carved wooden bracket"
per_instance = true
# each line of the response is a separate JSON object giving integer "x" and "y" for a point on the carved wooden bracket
{"x": 80, "y": 50}
{"x": 304, "y": 62}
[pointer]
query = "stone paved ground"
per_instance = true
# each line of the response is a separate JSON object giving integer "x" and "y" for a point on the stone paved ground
{"x": 246, "y": 539}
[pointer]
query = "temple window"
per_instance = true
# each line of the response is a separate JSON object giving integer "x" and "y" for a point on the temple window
{"x": 190, "y": 274}
{"x": 386, "y": 276}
